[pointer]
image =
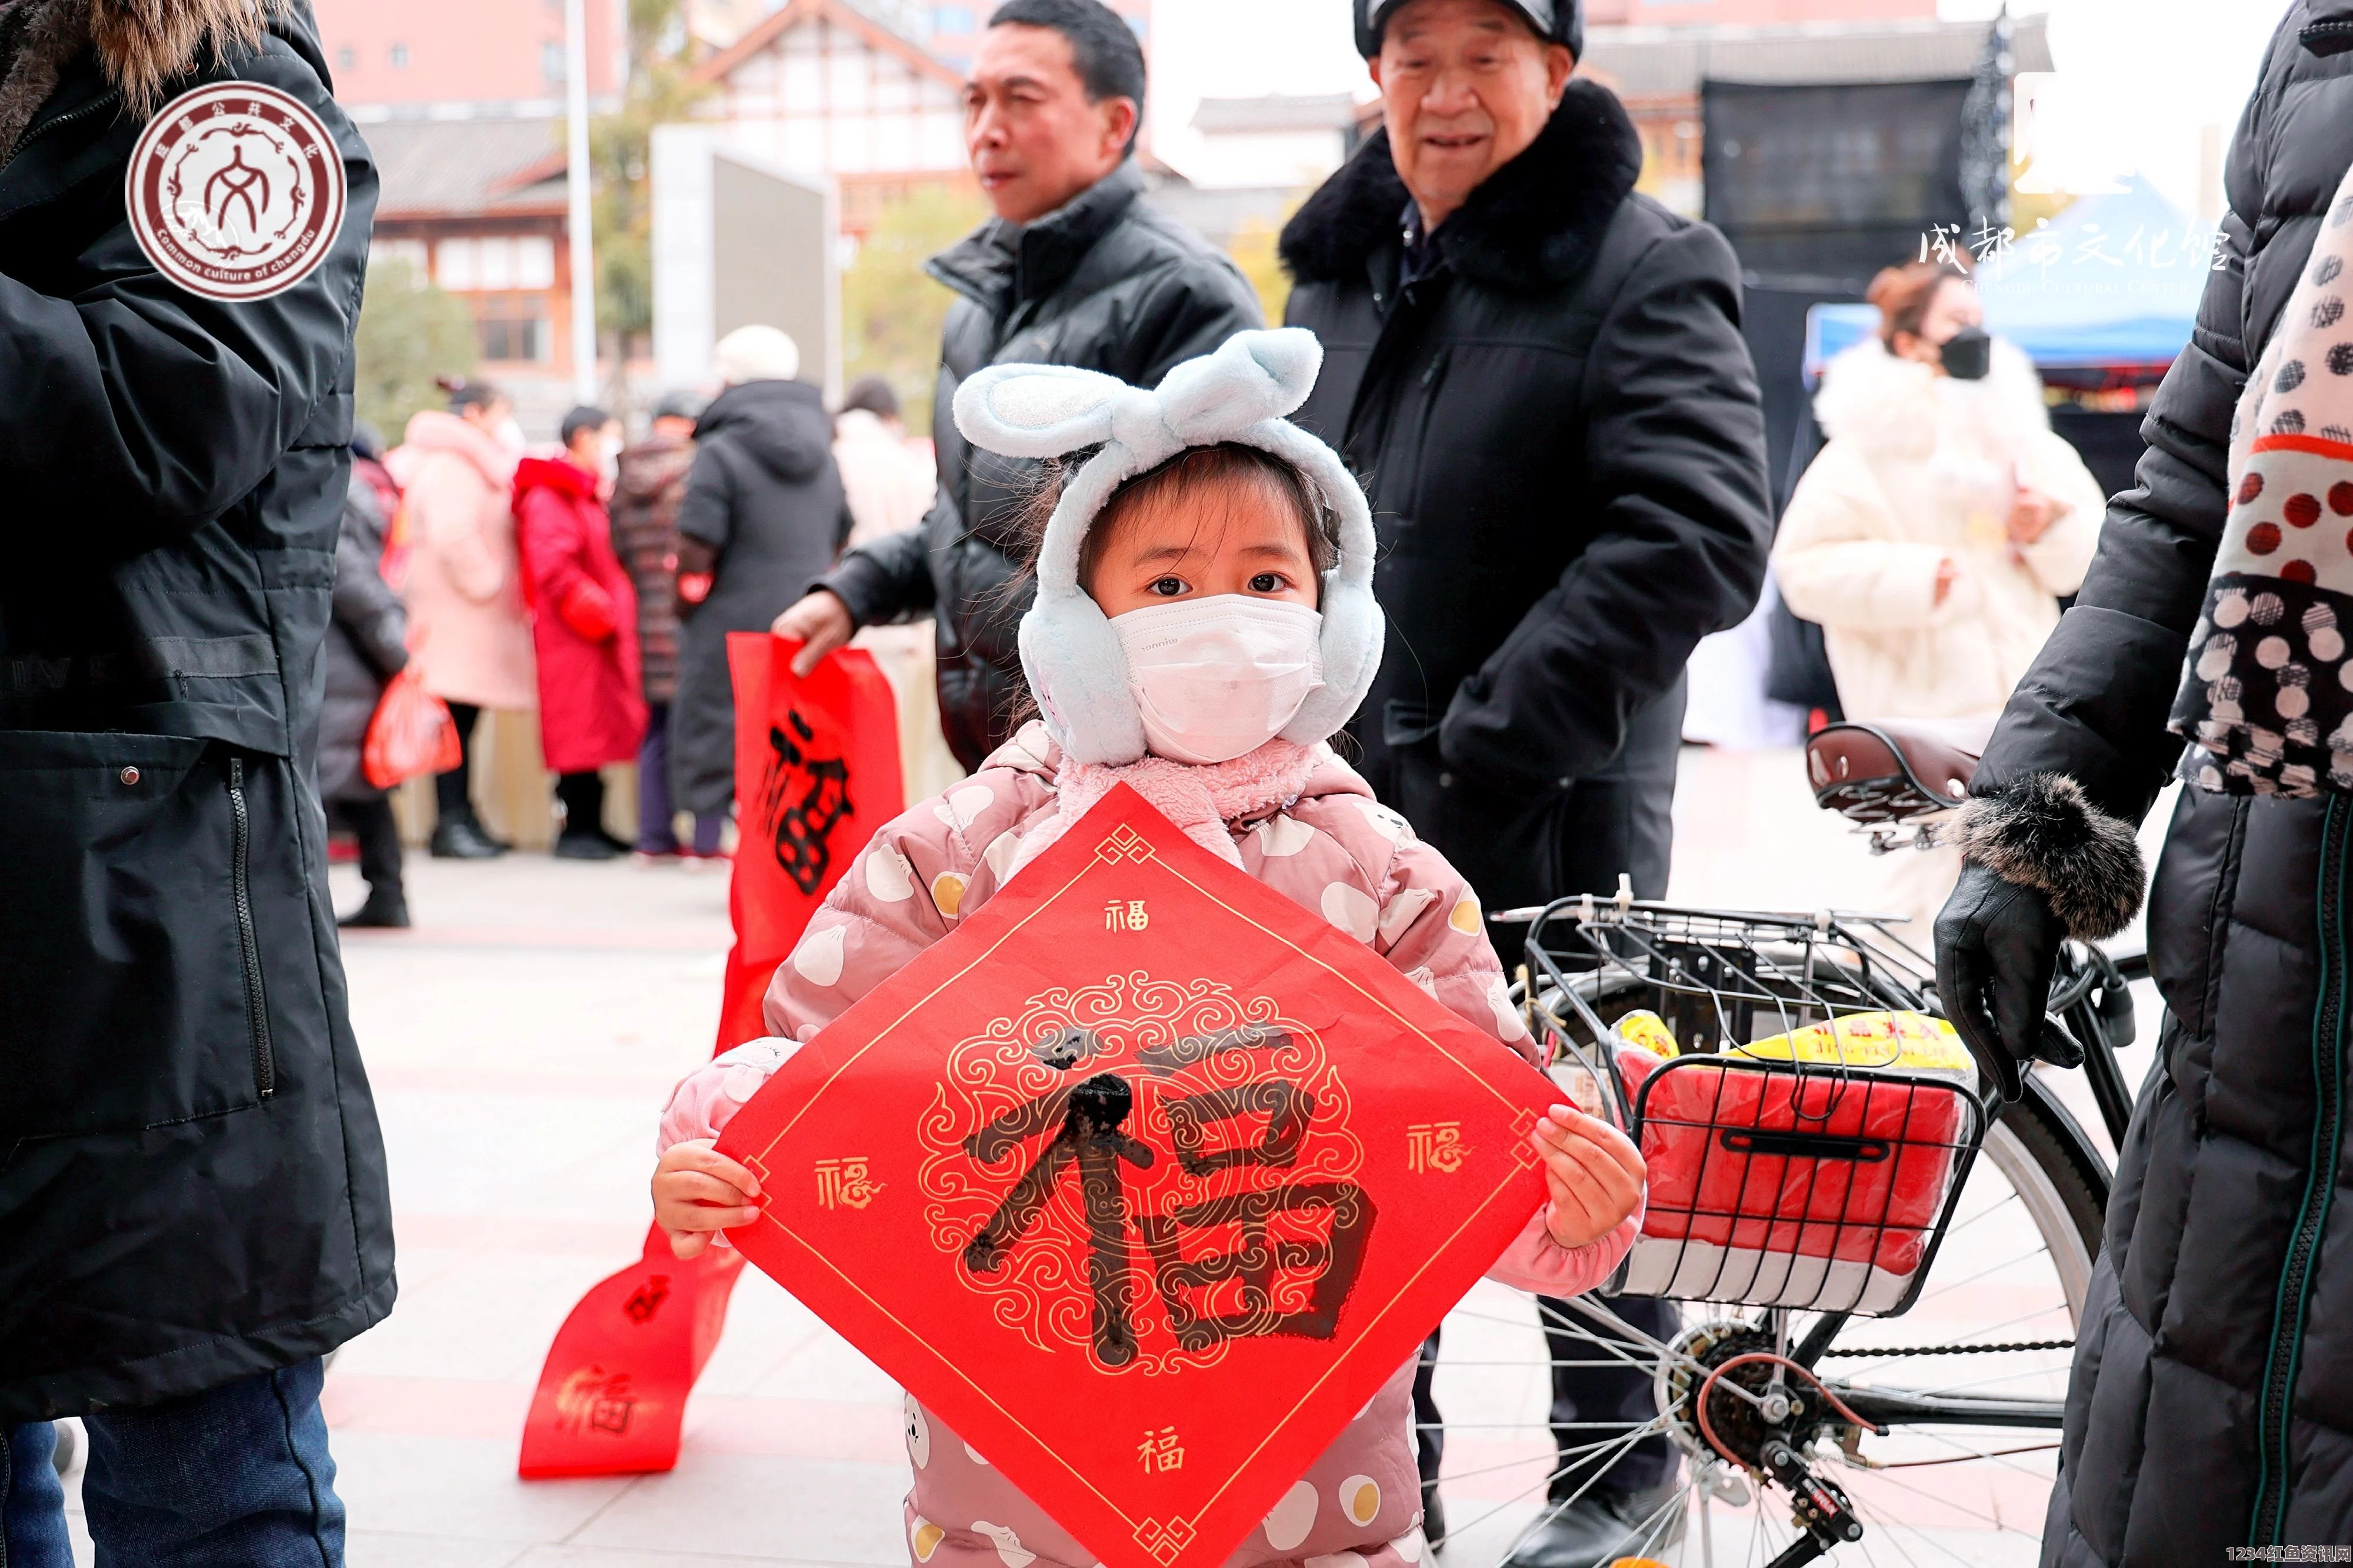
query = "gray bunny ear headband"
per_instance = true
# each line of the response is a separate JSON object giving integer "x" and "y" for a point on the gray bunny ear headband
{"x": 1239, "y": 393}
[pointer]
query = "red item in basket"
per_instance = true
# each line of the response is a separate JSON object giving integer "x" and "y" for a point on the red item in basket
{"x": 1812, "y": 1189}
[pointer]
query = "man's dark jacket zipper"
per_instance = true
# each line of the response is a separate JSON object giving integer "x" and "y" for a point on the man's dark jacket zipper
{"x": 257, "y": 1001}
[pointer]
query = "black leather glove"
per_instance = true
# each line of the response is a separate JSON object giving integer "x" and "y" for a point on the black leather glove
{"x": 1997, "y": 946}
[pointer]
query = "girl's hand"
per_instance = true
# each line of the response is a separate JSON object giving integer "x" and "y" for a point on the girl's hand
{"x": 1593, "y": 1171}
{"x": 699, "y": 1192}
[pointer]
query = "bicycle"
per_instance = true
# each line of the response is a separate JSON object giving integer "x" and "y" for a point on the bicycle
{"x": 1883, "y": 1368}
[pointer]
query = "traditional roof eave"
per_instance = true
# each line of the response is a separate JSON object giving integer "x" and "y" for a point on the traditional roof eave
{"x": 775, "y": 25}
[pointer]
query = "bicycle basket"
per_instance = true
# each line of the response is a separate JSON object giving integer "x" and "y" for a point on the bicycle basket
{"x": 1807, "y": 1120}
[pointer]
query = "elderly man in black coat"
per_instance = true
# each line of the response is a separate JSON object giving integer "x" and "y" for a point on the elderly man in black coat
{"x": 1074, "y": 269}
{"x": 192, "y": 1207}
{"x": 1543, "y": 376}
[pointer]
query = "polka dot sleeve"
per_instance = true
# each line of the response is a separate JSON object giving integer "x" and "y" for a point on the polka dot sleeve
{"x": 1430, "y": 926}
{"x": 908, "y": 887}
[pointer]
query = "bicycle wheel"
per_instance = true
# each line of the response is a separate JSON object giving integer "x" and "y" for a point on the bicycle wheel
{"x": 1970, "y": 1383}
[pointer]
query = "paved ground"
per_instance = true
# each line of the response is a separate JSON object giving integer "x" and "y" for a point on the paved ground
{"x": 521, "y": 1040}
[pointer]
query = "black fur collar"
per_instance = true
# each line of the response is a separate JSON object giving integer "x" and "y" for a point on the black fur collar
{"x": 1531, "y": 228}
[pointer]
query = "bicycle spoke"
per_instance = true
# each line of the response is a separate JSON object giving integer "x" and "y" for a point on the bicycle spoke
{"x": 1959, "y": 1226}
{"x": 1894, "y": 1531}
{"x": 1653, "y": 1526}
{"x": 1633, "y": 1436}
{"x": 1991, "y": 1456}
{"x": 1946, "y": 1288}
{"x": 1944, "y": 1501}
{"x": 1620, "y": 1353}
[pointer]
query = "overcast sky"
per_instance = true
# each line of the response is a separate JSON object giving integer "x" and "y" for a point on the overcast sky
{"x": 2143, "y": 75}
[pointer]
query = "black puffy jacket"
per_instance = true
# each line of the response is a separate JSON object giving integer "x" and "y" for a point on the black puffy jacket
{"x": 1564, "y": 451}
{"x": 765, "y": 495}
{"x": 1104, "y": 283}
{"x": 192, "y": 1184}
{"x": 2211, "y": 1404}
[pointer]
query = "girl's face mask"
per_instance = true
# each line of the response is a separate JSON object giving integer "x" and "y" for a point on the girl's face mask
{"x": 1218, "y": 677}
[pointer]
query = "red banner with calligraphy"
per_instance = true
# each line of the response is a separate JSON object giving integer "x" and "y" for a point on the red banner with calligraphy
{"x": 1143, "y": 1161}
{"x": 816, "y": 771}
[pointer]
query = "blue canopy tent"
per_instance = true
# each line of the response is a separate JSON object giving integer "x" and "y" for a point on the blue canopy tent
{"x": 2111, "y": 284}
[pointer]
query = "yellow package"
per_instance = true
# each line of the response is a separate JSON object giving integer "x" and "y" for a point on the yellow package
{"x": 1906, "y": 1041}
{"x": 1647, "y": 1030}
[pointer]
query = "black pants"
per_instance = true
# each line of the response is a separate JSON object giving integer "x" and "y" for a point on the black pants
{"x": 583, "y": 797}
{"x": 1514, "y": 851}
{"x": 451, "y": 799}
{"x": 371, "y": 821}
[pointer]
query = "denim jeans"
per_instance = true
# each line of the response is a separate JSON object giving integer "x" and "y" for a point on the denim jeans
{"x": 238, "y": 1478}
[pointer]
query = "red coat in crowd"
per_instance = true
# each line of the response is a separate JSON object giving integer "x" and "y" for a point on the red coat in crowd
{"x": 583, "y": 619}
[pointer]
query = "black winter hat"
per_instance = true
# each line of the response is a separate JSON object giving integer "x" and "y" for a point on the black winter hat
{"x": 1562, "y": 21}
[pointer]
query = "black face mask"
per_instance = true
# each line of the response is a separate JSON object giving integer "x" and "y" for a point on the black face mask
{"x": 1968, "y": 354}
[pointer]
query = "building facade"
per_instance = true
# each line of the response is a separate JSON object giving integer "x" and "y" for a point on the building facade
{"x": 826, "y": 88}
{"x": 496, "y": 58}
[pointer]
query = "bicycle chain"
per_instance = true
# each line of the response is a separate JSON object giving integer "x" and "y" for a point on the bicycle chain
{"x": 1890, "y": 1352}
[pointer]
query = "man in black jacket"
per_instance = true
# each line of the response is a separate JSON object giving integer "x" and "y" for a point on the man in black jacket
{"x": 1543, "y": 374}
{"x": 1073, "y": 271}
{"x": 192, "y": 1208}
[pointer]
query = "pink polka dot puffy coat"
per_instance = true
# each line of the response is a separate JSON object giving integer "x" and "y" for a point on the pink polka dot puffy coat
{"x": 1335, "y": 850}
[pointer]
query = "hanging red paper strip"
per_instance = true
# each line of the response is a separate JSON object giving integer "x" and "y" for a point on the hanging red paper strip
{"x": 816, "y": 771}
{"x": 1143, "y": 1160}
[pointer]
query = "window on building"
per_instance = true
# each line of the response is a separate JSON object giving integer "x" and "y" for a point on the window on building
{"x": 346, "y": 57}
{"x": 534, "y": 261}
{"x": 955, "y": 19}
{"x": 513, "y": 330}
{"x": 407, "y": 254}
{"x": 495, "y": 262}
{"x": 458, "y": 263}
{"x": 513, "y": 327}
{"x": 551, "y": 61}
{"x": 400, "y": 56}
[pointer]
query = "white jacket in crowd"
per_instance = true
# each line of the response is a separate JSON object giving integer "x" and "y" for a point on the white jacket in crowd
{"x": 1921, "y": 468}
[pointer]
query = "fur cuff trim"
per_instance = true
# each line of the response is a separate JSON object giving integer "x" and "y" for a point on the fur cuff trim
{"x": 2042, "y": 832}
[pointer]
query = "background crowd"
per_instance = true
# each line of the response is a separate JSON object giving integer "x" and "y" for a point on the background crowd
{"x": 595, "y": 585}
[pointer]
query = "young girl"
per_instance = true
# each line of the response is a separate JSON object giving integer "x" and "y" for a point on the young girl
{"x": 1204, "y": 623}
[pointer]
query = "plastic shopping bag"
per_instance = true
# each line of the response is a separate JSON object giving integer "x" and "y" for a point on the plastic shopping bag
{"x": 411, "y": 732}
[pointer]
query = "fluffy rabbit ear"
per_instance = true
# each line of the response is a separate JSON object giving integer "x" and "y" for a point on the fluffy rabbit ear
{"x": 1036, "y": 410}
{"x": 1252, "y": 377}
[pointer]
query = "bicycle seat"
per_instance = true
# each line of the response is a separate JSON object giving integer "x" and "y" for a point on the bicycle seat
{"x": 1885, "y": 773}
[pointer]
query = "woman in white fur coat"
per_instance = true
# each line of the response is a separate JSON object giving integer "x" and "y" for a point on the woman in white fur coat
{"x": 1935, "y": 533}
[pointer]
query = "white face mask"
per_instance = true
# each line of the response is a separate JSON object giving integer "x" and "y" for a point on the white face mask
{"x": 1220, "y": 676}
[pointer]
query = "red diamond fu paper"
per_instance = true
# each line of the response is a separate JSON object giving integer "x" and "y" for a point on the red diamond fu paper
{"x": 1145, "y": 1179}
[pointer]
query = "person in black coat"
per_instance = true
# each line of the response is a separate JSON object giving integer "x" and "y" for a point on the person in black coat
{"x": 1543, "y": 376}
{"x": 1074, "y": 269}
{"x": 192, "y": 1205}
{"x": 366, "y": 644}
{"x": 764, "y": 517}
{"x": 2211, "y": 1403}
